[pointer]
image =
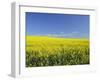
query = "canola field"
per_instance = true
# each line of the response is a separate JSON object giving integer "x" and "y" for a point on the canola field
{"x": 52, "y": 51}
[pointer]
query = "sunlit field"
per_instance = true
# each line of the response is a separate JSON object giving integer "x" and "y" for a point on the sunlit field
{"x": 52, "y": 51}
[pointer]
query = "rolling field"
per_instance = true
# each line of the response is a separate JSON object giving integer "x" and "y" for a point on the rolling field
{"x": 50, "y": 51}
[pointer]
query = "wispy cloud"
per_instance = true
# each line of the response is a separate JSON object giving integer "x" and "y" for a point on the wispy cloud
{"x": 62, "y": 34}
{"x": 74, "y": 34}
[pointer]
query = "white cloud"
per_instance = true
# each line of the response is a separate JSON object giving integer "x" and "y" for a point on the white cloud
{"x": 72, "y": 34}
{"x": 62, "y": 34}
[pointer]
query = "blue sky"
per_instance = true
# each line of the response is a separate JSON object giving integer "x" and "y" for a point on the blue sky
{"x": 57, "y": 25}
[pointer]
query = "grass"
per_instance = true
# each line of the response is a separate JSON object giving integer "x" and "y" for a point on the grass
{"x": 50, "y": 51}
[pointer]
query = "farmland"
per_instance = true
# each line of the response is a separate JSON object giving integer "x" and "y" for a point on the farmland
{"x": 52, "y": 51}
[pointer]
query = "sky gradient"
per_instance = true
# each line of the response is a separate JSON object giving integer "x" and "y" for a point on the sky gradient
{"x": 57, "y": 25}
